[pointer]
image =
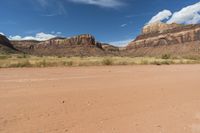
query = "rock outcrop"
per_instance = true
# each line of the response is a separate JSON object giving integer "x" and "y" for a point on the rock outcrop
{"x": 5, "y": 45}
{"x": 156, "y": 39}
{"x": 82, "y": 45}
{"x": 160, "y": 38}
{"x": 110, "y": 49}
{"x": 158, "y": 27}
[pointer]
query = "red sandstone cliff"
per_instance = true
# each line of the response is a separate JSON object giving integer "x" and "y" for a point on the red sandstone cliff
{"x": 82, "y": 45}
{"x": 160, "y": 38}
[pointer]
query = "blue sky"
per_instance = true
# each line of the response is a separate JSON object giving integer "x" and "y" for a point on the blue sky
{"x": 115, "y": 21}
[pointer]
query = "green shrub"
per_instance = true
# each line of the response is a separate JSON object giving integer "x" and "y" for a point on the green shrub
{"x": 107, "y": 61}
{"x": 59, "y": 56}
{"x": 41, "y": 63}
{"x": 166, "y": 56}
{"x": 69, "y": 63}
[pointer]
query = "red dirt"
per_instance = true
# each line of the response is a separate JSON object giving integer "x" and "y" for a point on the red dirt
{"x": 116, "y": 99}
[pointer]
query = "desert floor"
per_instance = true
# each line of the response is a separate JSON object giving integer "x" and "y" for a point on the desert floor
{"x": 113, "y": 99}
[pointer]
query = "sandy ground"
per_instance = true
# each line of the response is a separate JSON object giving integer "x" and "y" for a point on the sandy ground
{"x": 116, "y": 99}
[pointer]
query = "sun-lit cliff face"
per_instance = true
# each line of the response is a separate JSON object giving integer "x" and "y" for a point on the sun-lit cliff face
{"x": 166, "y": 34}
{"x": 80, "y": 45}
{"x": 158, "y": 27}
{"x": 159, "y": 38}
{"x": 74, "y": 46}
{"x": 155, "y": 39}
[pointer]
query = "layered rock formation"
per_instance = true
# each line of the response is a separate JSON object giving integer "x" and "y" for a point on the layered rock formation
{"x": 110, "y": 49}
{"x": 155, "y": 39}
{"x": 82, "y": 45}
{"x": 158, "y": 27}
{"x": 160, "y": 38}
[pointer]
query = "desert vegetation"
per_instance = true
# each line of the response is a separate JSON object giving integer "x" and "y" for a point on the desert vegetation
{"x": 23, "y": 60}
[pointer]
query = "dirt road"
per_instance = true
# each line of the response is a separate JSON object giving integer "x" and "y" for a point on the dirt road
{"x": 116, "y": 99}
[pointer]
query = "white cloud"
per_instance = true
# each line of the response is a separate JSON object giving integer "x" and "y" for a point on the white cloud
{"x": 17, "y": 37}
{"x": 58, "y": 33}
{"x": 39, "y": 37}
{"x": 165, "y": 14}
{"x": 123, "y": 25}
{"x": 52, "y": 7}
{"x": 101, "y": 3}
{"x": 121, "y": 42}
{"x": 187, "y": 15}
{"x": 1, "y": 33}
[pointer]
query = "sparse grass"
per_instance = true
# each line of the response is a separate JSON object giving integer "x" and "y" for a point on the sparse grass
{"x": 166, "y": 56}
{"x": 8, "y": 61}
{"x": 144, "y": 62}
{"x": 107, "y": 61}
{"x": 22, "y": 56}
{"x": 191, "y": 57}
{"x": 2, "y": 57}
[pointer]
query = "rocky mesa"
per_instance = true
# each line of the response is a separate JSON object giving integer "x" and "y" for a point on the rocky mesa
{"x": 161, "y": 38}
{"x": 81, "y": 45}
{"x": 155, "y": 40}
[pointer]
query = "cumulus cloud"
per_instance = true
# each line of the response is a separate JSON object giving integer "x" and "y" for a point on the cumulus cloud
{"x": 39, "y": 37}
{"x": 187, "y": 15}
{"x": 101, "y": 3}
{"x": 1, "y": 33}
{"x": 163, "y": 15}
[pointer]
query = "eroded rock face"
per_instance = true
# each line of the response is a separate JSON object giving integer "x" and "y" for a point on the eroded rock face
{"x": 111, "y": 50}
{"x": 108, "y": 47}
{"x": 85, "y": 45}
{"x": 158, "y": 27}
{"x": 159, "y": 35}
{"x": 25, "y": 45}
